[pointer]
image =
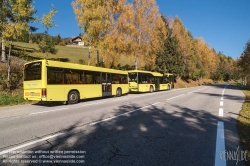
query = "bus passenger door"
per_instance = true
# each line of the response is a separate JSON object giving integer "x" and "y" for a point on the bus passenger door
{"x": 106, "y": 84}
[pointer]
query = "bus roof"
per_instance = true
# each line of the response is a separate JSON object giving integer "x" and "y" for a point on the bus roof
{"x": 146, "y": 72}
{"x": 79, "y": 66}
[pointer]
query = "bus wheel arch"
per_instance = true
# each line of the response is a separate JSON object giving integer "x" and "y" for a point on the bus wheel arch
{"x": 118, "y": 92}
{"x": 73, "y": 96}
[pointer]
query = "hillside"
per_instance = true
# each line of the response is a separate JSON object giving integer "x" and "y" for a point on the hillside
{"x": 65, "y": 53}
{"x": 30, "y": 52}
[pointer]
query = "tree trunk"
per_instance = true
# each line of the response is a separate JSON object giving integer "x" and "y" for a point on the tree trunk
{"x": 136, "y": 63}
{"x": 97, "y": 58}
{"x": 29, "y": 38}
{"x": 3, "y": 56}
{"x": 9, "y": 59}
{"x": 89, "y": 56}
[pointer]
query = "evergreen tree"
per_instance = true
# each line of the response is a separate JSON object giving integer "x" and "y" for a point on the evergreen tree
{"x": 244, "y": 61}
{"x": 170, "y": 59}
{"x": 58, "y": 39}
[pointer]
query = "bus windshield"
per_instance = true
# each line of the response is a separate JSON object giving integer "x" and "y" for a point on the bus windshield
{"x": 33, "y": 71}
{"x": 132, "y": 77}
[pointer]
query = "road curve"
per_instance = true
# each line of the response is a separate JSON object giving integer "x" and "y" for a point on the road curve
{"x": 177, "y": 127}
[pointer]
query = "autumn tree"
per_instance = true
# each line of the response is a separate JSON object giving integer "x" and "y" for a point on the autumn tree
{"x": 112, "y": 45}
{"x": 47, "y": 45}
{"x": 144, "y": 32}
{"x": 206, "y": 59}
{"x": 185, "y": 42}
{"x": 14, "y": 19}
{"x": 14, "y": 25}
{"x": 226, "y": 68}
{"x": 93, "y": 19}
{"x": 115, "y": 27}
{"x": 5, "y": 14}
{"x": 244, "y": 59}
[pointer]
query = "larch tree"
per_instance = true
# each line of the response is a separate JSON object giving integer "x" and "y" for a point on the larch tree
{"x": 226, "y": 67}
{"x": 111, "y": 46}
{"x": 185, "y": 41}
{"x": 146, "y": 33}
{"x": 202, "y": 54}
{"x": 93, "y": 19}
{"x": 47, "y": 45}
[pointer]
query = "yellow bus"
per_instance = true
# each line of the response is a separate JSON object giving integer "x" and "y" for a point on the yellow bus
{"x": 146, "y": 81}
{"x": 168, "y": 79}
{"x": 46, "y": 80}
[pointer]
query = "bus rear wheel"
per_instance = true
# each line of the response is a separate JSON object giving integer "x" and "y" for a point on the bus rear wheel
{"x": 118, "y": 92}
{"x": 73, "y": 97}
{"x": 151, "y": 89}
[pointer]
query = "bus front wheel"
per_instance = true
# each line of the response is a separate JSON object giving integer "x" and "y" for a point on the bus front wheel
{"x": 73, "y": 97}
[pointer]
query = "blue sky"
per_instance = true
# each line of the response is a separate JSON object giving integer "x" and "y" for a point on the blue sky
{"x": 224, "y": 24}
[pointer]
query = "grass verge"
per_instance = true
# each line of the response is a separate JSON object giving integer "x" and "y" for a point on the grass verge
{"x": 244, "y": 124}
{"x": 7, "y": 99}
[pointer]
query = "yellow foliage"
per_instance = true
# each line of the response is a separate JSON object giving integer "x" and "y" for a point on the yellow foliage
{"x": 19, "y": 10}
{"x": 117, "y": 27}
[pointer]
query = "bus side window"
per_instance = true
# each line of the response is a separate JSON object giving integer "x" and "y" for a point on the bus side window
{"x": 97, "y": 79}
{"x": 89, "y": 79}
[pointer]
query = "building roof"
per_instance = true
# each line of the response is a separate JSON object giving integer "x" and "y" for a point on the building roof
{"x": 78, "y": 37}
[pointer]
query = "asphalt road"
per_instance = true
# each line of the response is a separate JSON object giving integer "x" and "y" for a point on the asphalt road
{"x": 191, "y": 126}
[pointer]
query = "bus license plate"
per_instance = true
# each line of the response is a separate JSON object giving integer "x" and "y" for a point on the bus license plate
{"x": 32, "y": 94}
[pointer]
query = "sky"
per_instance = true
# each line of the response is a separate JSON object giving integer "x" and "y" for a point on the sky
{"x": 223, "y": 24}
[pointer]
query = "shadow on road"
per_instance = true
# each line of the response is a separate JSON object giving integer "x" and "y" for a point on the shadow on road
{"x": 167, "y": 134}
{"x": 156, "y": 135}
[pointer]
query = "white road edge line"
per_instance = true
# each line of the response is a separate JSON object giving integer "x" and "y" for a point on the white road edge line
{"x": 220, "y": 145}
{"x": 30, "y": 143}
{"x": 48, "y": 111}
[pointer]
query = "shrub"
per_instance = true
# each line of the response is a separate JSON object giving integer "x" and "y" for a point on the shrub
{"x": 3, "y": 76}
{"x": 81, "y": 61}
{"x": 62, "y": 43}
{"x": 16, "y": 75}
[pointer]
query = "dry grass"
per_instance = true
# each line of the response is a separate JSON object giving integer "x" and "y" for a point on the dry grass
{"x": 244, "y": 125}
{"x": 190, "y": 83}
